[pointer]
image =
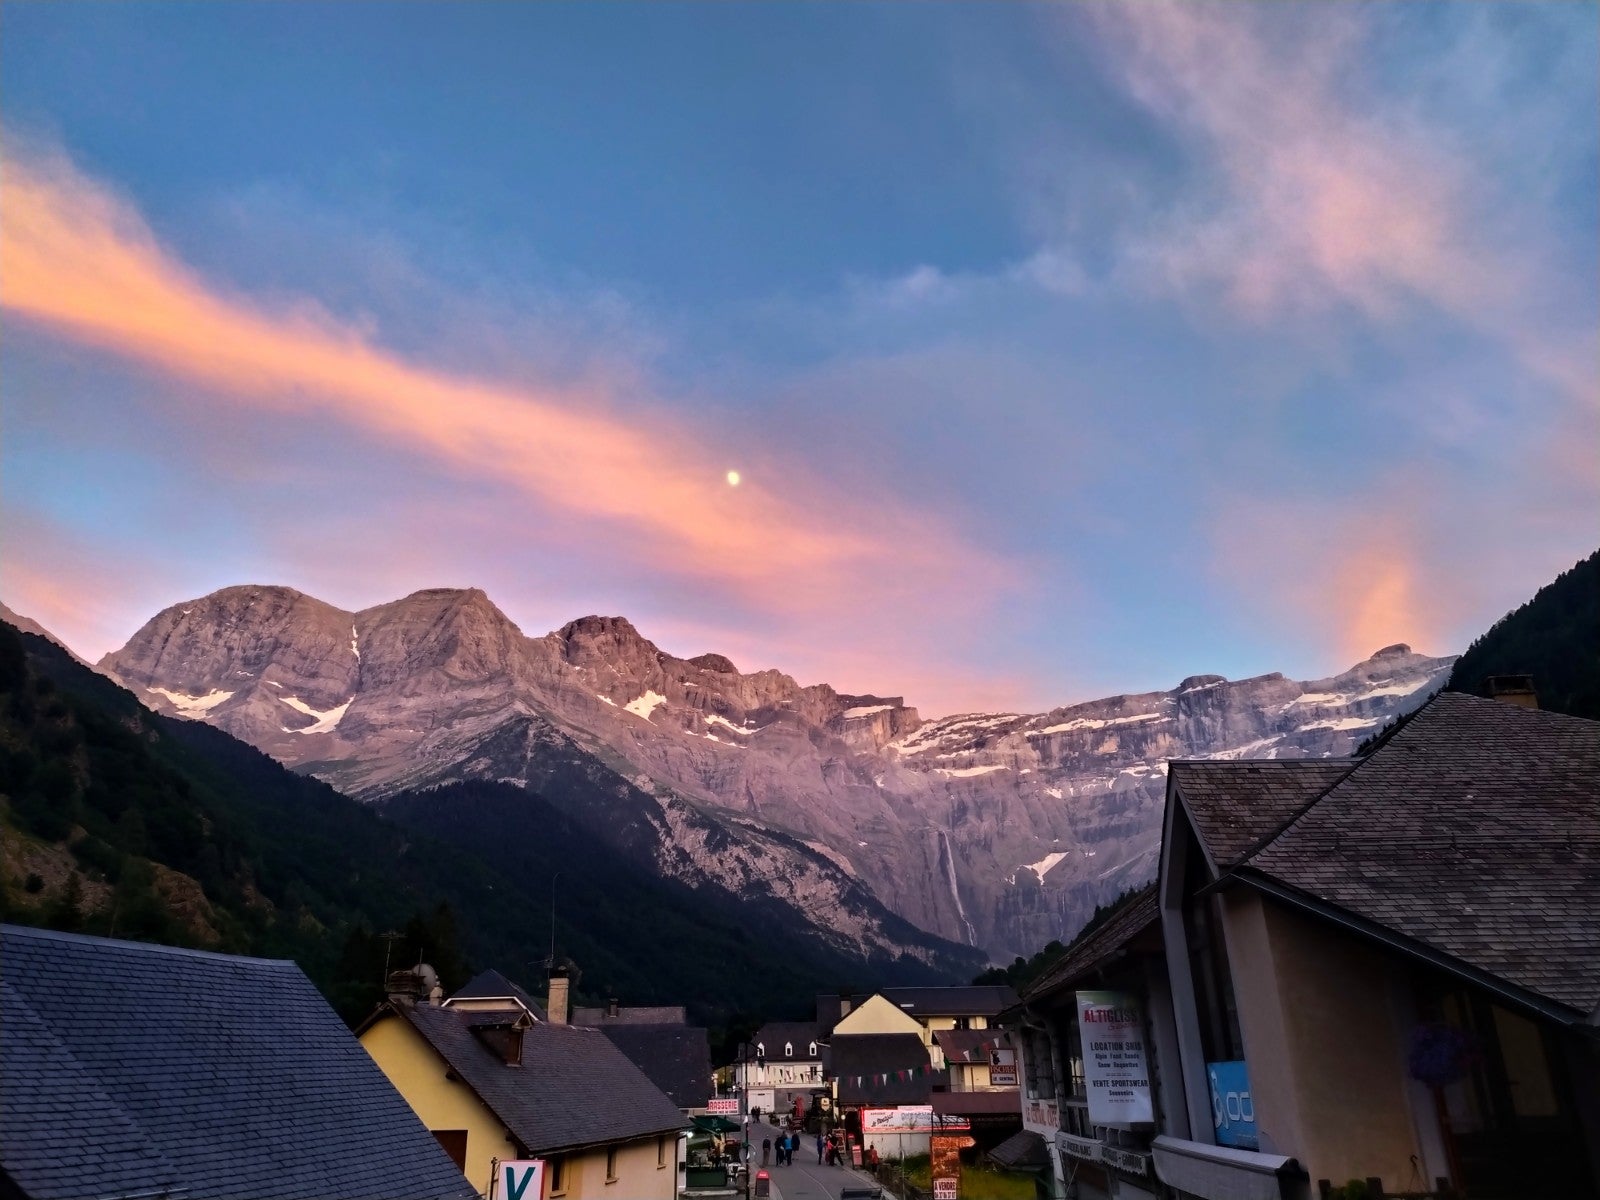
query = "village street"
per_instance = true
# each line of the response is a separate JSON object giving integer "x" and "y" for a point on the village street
{"x": 807, "y": 1180}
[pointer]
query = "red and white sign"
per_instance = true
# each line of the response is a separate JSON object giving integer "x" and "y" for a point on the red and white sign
{"x": 945, "y": 1189}
{"x": 1003, "y": 1076}
{"x": 522, "y": 1180}
{"x": 723, "y": 1106}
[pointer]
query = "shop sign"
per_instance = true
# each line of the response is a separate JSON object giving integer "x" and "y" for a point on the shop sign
{"x": 723, "y": 1106}
{"x": 1003, "y": 1076}
{"x": 1233, "y": 1111}
{"x": 522, "y": 1180}
{"x": 1114, "y": 1064}
{"x": 1088, "y": 1149}
{"x": 1041, "y": 1112}
{"x": 1130, "y": 1161}
{"x": 908, "y": 1118}
{"x": 946, "y": 1189}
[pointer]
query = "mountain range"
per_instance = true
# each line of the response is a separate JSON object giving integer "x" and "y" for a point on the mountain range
{"x": 885, "y": 835}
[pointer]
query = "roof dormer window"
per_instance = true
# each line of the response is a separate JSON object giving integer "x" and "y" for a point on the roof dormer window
{"x": 811, "y": 1050}
{"x": 788, "y": 1049}
{"x": 761, "y": 1049}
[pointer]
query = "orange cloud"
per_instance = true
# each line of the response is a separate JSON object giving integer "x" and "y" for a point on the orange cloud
{"x": 1344, "y": 577}
{"x": 80, "y": 261}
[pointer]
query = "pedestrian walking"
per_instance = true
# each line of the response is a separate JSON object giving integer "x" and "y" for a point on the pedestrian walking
{"x": 766, "y": 1150}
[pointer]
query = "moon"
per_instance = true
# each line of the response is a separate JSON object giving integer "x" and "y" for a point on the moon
{"x": 733, "y": 478}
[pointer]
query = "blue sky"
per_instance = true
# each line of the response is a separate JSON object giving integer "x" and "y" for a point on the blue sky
{"x": 1062, "y": 349}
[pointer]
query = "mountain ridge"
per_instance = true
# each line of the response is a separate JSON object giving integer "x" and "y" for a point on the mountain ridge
{"x": 1000, "y": 830}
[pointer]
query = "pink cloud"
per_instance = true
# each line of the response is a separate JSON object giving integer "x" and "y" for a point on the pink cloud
{"x": 80, "y": 262}
{"x": 1318, "y": 193}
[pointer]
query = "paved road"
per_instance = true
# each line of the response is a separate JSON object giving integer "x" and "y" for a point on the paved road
{"x": 806, "y": 1180}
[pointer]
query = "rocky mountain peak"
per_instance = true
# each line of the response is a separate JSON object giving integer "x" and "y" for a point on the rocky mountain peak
{"x": 714, "y": 662}
{"x": 1398, "y": 650}
{"x": 606, "y": 642}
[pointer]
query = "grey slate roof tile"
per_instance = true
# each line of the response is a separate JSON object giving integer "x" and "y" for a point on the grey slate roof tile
{"x": 129, "y": 1068}
{"x": 859, "y": 1057}
{"x": 1235, "y": 804}
{"x": 492, "y": 985}
{"x": 1474, "y": 830}
{"x": 676, "y": 1058}
{"x": 573, "y": 1088}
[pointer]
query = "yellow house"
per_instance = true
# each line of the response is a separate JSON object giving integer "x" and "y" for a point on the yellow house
{"x": 494, "y": 1082}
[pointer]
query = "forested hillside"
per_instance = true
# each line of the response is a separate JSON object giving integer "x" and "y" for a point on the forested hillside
{"x": 117, "y": 821}
{"x": 1555, "y": 637}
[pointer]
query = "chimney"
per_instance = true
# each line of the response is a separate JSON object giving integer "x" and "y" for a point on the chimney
{"x": 556, "y": 1005}
{"x": 1512, "y": 689}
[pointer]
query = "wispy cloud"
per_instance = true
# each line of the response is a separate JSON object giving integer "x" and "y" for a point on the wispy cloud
{"x": 80, "y": 261}
{"x": 1316, "y": 188}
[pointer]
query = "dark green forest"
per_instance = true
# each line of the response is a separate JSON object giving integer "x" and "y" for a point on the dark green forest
{"x": 1555, "y": 637}
{"x": 117, "y": 821}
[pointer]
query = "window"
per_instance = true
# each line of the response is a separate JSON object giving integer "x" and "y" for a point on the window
{"x": 555, "y": 1170}
{"x": 454, "y": 1142}
{"x": 611, "y": 1164}
{"x": 811, "y": 1050}
{"x": 963, "y": 1023}
{"x": 761, "y": 1050}
{"x": 788, "y": 1049}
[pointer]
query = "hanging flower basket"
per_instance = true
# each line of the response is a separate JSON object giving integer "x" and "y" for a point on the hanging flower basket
{"x": 1440, "y": 1054}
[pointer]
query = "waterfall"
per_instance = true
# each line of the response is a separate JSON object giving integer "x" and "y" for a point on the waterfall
{"x": 949, "y": 859}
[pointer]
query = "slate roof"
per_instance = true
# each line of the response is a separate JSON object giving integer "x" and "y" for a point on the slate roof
{"x": 574, "y": 1088}
{"x": 970, "y": 1045}
{"x": 1474, "y": 830}
{"x": 660, "y": 1014}
{"x": 491, "y": 985}
{"x": 1122, "y": 928}
{"x": 858, "y": 1057}
{"x": 130, "y": 1068}
{"x": 676, "y": 1058}
{"x": 1022, "y": 1151}
{"x": 774, "y": 1035}
{"x": 1236, "y": 804}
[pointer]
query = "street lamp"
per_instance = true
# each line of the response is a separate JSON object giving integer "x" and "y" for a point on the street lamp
{"x": 744, "y": 1104}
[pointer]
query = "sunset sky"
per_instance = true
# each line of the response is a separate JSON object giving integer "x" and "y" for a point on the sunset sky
{"x": 1059, "y": 350}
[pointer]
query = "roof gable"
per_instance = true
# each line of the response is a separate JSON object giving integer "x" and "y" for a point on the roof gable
{"x": 210, "y": 1073}
{"x": 574, "y": 1087}
{"x": 490, "y": 985}
{"x": 1234, "y": 804}
{"x": 1474, "y": 830}
{"x": 876, "y": 1015}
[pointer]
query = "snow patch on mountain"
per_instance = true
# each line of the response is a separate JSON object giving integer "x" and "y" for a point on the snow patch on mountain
{"x": 645, "y": 704}
{"x": 1042, "y": 867}
{"x": 193, "y": 707}
{"x": 323, "y": 721}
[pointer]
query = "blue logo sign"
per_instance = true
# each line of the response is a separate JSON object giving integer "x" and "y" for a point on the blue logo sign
{"x": 1233, "y": 1111}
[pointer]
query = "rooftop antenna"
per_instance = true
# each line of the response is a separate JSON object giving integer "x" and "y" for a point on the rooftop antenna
{"x": 552, "y": 961}
{"x": 389, "y": 939}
